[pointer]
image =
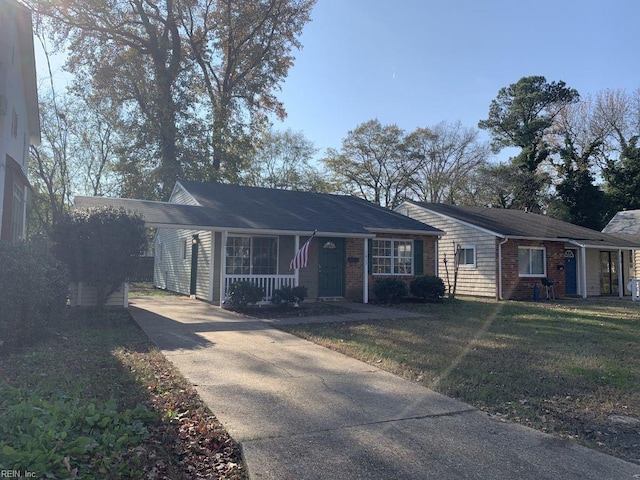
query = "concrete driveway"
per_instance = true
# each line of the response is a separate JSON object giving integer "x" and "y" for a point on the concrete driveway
{"x": 301, "y": 411}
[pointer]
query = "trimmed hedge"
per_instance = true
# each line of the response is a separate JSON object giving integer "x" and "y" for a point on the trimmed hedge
{"x": 243, "y": 293}
{"x": 289, "y": 296}
{"x": 427, "y": 288}
{"x": 389, "y": 290}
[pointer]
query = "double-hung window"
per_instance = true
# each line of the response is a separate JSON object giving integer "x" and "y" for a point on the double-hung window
{"x": 532, "y": 262}
{"x": 252, "y": 255}
{"x": 467, "y": 256}
{"x": 392, "y": 257}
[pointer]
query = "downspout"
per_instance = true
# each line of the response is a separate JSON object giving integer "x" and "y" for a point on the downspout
{"x": 436, "y": 269}
{"x": 223, "y": 266}
{"x": 365, "y": 272}
{"x": 620, "y": 275}
{"x": 500, "y": 297}
{"x": 296, "y": 271}
{"x": 583, "y": 273}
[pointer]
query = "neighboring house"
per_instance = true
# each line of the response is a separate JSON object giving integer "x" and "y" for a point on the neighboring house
{"x": 19, "y": 120}
{"x": 211, "y": 235}
{"x": 504, "y": 253}
{"x": 626, "y": 224}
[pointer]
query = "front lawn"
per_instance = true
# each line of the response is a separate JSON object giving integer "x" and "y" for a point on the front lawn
{"x": 93, "y": 398}
{"x": 571, "y": 368}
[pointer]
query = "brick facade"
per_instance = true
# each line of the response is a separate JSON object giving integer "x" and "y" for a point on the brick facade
{"x": 354, "y": 271}
{"x": 515, "y": 287}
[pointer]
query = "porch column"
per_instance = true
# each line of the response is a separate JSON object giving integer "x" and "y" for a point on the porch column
{"x": 583, "y": 261}
{"x": 296, "y": 271}
{"x": 223, "y": 264}
{"x": 620, "y": 275}
{"x": 365, "y": 272}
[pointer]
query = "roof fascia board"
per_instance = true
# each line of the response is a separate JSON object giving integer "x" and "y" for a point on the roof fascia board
{"x": 257, "y": 231}
{"x": 404, "y": 231}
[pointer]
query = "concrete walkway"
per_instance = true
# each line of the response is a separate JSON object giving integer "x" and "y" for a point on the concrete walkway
{"x": 301, "y": 411}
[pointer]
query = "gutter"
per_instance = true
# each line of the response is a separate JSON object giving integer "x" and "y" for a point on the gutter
{"x": 505, "y": 240}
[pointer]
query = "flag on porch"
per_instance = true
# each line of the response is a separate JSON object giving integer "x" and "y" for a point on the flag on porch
{"x": 302, "y": 255}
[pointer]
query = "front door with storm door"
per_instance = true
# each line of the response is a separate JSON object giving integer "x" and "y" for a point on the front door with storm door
{"x": 571, "y": 271}
{"x": 331, "y": 267}
{"x": 609, "y": 273}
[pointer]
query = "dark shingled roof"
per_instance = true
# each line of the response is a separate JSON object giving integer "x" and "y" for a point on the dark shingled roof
{"x": 236, "y": 207}
{"x": 517, "y": 223}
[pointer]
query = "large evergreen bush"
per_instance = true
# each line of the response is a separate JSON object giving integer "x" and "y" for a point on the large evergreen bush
{"x": 33, "y": 292}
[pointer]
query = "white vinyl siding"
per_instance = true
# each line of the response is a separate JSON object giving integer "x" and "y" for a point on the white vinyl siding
{"x": 173, "y": 271}
{"x": 180, "y": 195}
{"x": 83, "y": 295}
{"x": 479, "y": 281}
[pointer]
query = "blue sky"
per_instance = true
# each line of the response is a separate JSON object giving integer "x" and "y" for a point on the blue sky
{"x": 419, "y": 62}
{"x": 416, "y": 63}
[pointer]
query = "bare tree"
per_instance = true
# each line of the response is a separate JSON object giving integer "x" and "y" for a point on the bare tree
{"x": 448, "y": 155}
{"x": 373, "y": 163}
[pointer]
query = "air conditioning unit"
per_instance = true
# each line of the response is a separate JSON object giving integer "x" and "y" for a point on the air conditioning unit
{"x": 3, "y": 104}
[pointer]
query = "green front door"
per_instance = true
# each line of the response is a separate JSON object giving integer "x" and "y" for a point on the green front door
{"x": 331, "y": 267}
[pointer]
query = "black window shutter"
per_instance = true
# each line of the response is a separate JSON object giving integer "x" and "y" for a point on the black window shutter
{"x": 418, "y": 257}
{"x": 370, "y": 256}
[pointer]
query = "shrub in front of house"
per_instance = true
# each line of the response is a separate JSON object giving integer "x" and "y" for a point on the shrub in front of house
{"x": 33, "y": 292}
{"x": 98, "y": 245}
{"x": 389, "y": 290}
{"x": 243, "y": 293}
{"x": 428, "y": 288}
{"x": 288, "y": 296}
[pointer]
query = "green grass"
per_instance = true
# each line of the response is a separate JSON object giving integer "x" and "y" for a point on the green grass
{"x": 93, "y": 398}
{"x": 564, "y": 368}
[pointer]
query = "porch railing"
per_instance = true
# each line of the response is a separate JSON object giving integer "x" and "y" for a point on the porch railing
{"x": 268, "y": 283}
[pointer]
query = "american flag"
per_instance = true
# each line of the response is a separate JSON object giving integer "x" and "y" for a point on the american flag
{"x": 302, "y": 255}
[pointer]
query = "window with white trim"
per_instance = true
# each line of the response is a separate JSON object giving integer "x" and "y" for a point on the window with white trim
{"x": 252, "y": 255}
{"x": 392, "y": 257}
{"x": 467, "y": 256}
{"x": 185, "y": 249}
{"x": 532, "y": 262}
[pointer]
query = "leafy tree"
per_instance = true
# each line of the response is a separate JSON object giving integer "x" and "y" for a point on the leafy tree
{"x": 97, "y": 246}
{"x": 373, "y": 164}
{"x": 623, "y": 177}
{"x": 447, "y": 156}
{"x": 522, "y": 116}
{"x": 243, "y": 52}
{"x": 131, "y": 52}
{"x": 176, "y": 66}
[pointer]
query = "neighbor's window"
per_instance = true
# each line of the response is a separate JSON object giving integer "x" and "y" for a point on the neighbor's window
{"x": 392, "y": 257}
{"x": 467, "y": 256}
{"x": 531, "y": 262}
{"x": 252, "y": 255}
{"x": 18, "y": 213}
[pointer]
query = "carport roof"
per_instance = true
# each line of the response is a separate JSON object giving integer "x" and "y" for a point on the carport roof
{"x": 238, "y": 208}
